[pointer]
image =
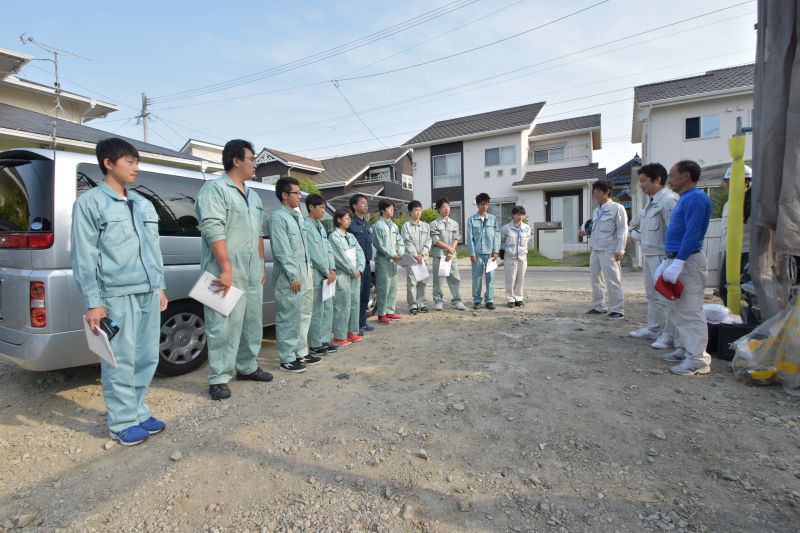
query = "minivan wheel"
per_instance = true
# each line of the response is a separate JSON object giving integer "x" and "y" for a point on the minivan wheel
{"x": 182, "y": 343}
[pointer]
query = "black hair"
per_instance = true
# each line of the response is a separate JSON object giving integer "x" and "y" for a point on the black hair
{"x": 691, "y": 167}
{"x": 747, "y": 204}
{"x": 384, "y": 204}
{"x": 284, "y": 184}
{"x": 412, "y": 204}
{"x": 354, "y": 200}
{"x": 603, "y": 185}
{"x": 235, "y": 150}
{"x": 518, "y": 210}
{"x": 112, "y": 149}
{"x": 441, "y": 201}
{"x": 482, "y": 197}
{"x": 339, "y": 215}
{"x": 655, "y": 171}
{"x": 313, "y": 200}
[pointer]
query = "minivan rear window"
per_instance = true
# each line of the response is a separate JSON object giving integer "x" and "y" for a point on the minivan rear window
{"x": 26, "y": 194}
{"x": 172, "y": 196}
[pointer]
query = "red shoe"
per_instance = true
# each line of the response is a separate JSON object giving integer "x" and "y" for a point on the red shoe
{"x": 393, "y": 316}
{"x": 384, "y": 319}
{"x": 352, "y": 337}
{"x": 341, "y": 342}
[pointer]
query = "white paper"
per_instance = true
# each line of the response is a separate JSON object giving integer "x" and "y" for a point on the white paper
{"x": 328, "y": 289}
{"x": 352, "y": 256}
{"x": 205, "y": 292}
{"x": 99, "y": 344}
{"x": 491, "y": 265}
{"x": 445, "y": 267}
{"x": 420, "y": 271}
{"x": 407, "y": 261}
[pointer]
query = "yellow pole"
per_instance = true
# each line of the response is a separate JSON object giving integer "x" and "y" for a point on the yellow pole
{"x": 733, "y": 246}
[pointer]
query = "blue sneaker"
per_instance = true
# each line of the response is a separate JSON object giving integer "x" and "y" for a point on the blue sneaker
{"x": 152, "y": 425}
{"x": 367, "y": 327}
{"x": 130, "y": 436}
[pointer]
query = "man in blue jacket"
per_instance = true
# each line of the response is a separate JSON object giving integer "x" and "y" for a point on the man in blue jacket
{"x": 687, "y": 263}
{"x": 361, "y": 229}
{"x": 482, "y": 233}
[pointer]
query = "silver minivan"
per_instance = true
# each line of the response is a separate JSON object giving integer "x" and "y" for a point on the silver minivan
{"x": 40, "y": 306}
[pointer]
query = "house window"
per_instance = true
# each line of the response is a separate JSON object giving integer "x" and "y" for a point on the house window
{"x": 379, "y": 174}
{"x": 548, "y": 155}
{"x": 514, "y": 171}
{"x": 702, "y": 127}
{"x": 446, "y": 170}
{"x": 502, "y": 210}
{"x": 486, "y": 173}
{"x": 408, "y": 182}
{"x": 499, "y": 156}
{"x": 499, "y": 172}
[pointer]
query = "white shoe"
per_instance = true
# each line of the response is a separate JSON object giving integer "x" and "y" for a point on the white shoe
{"x": 459, "y": 306}
{"x": 644, "y": 333}
{"x": 691, "y": 367}
{"x": 439, "y": 306}
{"x": 663, "y": 342}
{"x": 675, "y": 357}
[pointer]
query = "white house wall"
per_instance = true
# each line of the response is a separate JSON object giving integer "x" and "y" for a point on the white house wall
{"x": 665, "y": 141}
{"x": 475, "y": 165}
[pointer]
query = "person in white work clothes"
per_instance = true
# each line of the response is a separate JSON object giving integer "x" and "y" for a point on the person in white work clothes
{"x": 514, "y": 238}
{"x": 607, "y": 244}
{"x": 650, "y": 227}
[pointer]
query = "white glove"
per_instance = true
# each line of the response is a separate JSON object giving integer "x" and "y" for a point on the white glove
{"x": 674, "y": 270}
{"x": 660, "y": 269}
{"x": 635, "y": 235}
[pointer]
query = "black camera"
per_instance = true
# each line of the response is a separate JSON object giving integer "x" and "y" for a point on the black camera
{"x": 110, "y": 327}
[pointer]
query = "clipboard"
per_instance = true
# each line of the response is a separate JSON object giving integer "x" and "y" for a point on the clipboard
{"x": 328, "y": 290}
{"x": 407, "y": 261}
{"x": 99, "y": 344}
{"x": 445, "y": 267}
{"x": 205, "y": 292}
{"x": 352, "y": 255}
{"x": 491, "y": 265}
{"x": 420, "y": 271}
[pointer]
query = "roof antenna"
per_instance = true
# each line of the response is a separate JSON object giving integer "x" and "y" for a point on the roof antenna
{"x": 26, "y": 39}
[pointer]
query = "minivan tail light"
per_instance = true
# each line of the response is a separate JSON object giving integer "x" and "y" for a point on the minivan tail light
{"x": 26, "y": 241}
{"x": 37, "y": 305}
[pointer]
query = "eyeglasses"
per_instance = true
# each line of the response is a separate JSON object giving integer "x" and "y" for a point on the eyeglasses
{"x": 251, "y": 159}
{"x": 298, "y": 193}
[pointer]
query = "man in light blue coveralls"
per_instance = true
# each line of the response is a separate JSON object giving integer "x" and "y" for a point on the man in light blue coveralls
{"x": 390, "y": 248}
{"x": 322, "y": 263}
{"x": 116, "y": 262}
{"x": 232, "y": 225}
{"x": 292, "y": 277}
{"x": 482, "y": 233}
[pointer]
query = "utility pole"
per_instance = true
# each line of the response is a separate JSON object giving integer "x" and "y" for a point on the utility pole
{"x": 144, "y": 116}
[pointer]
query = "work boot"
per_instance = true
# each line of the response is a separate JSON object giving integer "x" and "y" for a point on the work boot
{"x": 691, "y": 367}
{"x": 663, "y": 342}
{"x": 219, "y": 391}
{"x": 644, "y": 333}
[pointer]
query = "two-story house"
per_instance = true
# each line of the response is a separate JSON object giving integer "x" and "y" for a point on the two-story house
{"x": 379, "y": 174}
{"x": 545, "y": 167}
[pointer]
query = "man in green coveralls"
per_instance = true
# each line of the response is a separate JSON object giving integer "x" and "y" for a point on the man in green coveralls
{"x": 232, "y": 225}
{"x": 322, "y": 263}
{"x": 292, "y": 278}
{"x": 390, "y": 248}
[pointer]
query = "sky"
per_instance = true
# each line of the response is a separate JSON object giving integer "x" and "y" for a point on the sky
{"x": 281, "y": 63}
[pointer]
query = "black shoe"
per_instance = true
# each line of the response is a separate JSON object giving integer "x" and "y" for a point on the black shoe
{"x": 330, "y": 348}
{"x": 616, "y": 316}
{"x": 423, "y": 309}
{"x": 258, "y": 375}
{"x": 219, "y": 391}
{"x": 319, "y": 350}
{"x": 294, "y": 366}
{"x": 594, "y": 312}
{"x": 490, "y": 306}
{"x": 519, "y": 304}
{"x": 310, "y": 360}
{"x": 476, "y": 306}
{"x": 414, "y": 311}
{"x": 510, "y": 304}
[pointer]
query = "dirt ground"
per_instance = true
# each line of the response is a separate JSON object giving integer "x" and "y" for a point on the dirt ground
{"x": 532, "y": 419}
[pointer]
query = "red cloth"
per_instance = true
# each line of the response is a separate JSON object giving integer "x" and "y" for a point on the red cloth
{"x": 670, "y": 291}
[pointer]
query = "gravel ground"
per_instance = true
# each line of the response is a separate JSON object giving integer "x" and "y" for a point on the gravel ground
{"x": 532, "y": 419}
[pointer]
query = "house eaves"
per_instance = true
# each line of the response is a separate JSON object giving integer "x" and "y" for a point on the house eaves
{"x": 471, "y": 136}
{"x": 288, "y": 161}
{"x": 554, "y": 185}
{"x": 89, "y": 147}
{"x": 594, "y": 132}
{"x": 95, "y": 108}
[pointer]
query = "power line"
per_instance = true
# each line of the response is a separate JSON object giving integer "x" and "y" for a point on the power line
{"x": 320, "y": 56}
{"x": 353, "y": 109}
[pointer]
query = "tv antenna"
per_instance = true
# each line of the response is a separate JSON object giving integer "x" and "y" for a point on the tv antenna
{"x": 27, "y": 39}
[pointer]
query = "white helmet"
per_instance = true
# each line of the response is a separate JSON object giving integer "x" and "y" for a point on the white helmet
{"x": 748, "y": 173}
